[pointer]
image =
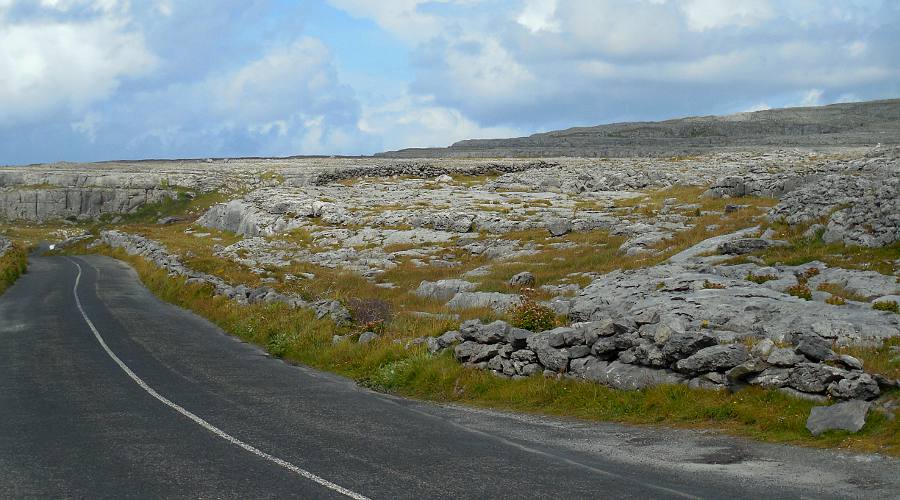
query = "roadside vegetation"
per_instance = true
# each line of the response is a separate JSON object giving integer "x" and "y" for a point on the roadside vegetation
{"x": 388, "y": 365}
{"x": 13, "y": 264}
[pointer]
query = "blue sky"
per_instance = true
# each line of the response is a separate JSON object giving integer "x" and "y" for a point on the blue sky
{"x": 110, "y": 79}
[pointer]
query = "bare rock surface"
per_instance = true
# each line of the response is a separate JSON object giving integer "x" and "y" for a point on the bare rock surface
{"x": 848, "y": 416}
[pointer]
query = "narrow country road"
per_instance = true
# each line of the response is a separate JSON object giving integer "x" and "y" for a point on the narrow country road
{"x": 107, "y": 392}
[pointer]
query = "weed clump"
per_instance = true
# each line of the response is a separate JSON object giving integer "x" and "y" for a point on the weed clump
{"x": 759, "y": 278}
{"x": 715, "y": 286}
{"x": 371, "y": 315}
{"x": 836, "y": 300}
{"x": 886, "y": 305}
{"x": 800, "y": 290}
{"x": 530, "y": 315}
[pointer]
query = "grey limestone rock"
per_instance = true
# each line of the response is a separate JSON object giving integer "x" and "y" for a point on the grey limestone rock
{"x": 559, "y": 227}
{"x": 628, "y": 377}
{"x": 443, "y": 289}
{"x": 367, "y": 337}
{"x": 523, "y": 279}
{"x": 813, "y": 377}
{"x": 848, "y": 416}
{"x": 714, "y": 358}
{"x": 858, "y": 386}
{"x": 499, "y": 302}
{"x": 784, "y": 357}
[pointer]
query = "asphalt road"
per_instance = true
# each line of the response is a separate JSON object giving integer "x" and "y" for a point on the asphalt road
{"x": 127, "y": 396}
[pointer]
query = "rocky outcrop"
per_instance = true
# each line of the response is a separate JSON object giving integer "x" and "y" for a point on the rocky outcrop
{"x": 42, "y": 204}
{"x": 858, "y": 200}
{"x": 158, "y": 254}
{"x": 627, "y": 354}
{"x": 728, "y": 307}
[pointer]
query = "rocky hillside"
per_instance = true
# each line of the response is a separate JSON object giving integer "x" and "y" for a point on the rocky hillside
{"x": 850, "y": 124}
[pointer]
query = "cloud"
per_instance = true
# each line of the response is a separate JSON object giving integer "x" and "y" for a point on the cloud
{"x": 416, "y": 121}
{"x": 300, "y": 77}
{"x": 539, "y": 15}
{"x": 591, "y": 61}
{"x": 93, "y": 79}
{"x": 813, "y": 97}
{"x": 702, "y": 15}
{"x": 49, "y": 65}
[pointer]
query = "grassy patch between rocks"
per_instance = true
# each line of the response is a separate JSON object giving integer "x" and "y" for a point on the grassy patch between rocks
{"x": 385, "y": 365}
{"x": 802, "y": 249}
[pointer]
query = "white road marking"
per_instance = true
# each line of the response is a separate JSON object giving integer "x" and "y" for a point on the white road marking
{"x": 199, "y": 421}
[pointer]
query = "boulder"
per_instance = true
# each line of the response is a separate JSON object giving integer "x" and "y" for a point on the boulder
{"x": 443, "y": 289}
{"x": 815, "y": 348}
{"x": 559, "y": 227}
{"x": 848, "y": 416}
{"x": 553, "y": 359}
{"x": 771, "y": 378}
{"x": 714, "y": 358}
{"x": 367, "y": 337}
{"x": 784, "y": 357}
{"x": 499, "y": 302}
{"x": 523, "y": 279}
{"x": 746, "y": 369}
{"x": 813, "y": 377}
{"x": 743, "y": 246}
{"x": 484, "y": 334}
{"x": 517, "y": 337}
{"x": 628, "y": 377}
{"x": 682, "y": 345}
{"x": 859, "y": 386}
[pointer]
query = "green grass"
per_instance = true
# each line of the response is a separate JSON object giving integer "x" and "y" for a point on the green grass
{"x": 801, "y": 249}
{"x": 384, "y": 365}
{"x": 13, "y": 264}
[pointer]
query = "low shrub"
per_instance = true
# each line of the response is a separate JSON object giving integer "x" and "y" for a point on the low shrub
{"x": 12, "y": 265}
{"x": 530, "y": 315}
{"x": 370, "y": 315}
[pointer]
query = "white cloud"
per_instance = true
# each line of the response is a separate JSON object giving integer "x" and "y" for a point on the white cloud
{"x": 416, "y": 121}
{"x": 760, "y": 106}
{"x": 48, "y": 66}
{"x": 399, "y": 17}
{"x": 705, "y": 15}
{"x": 539, "y": 15}
{"x": 813, "y": 97}
{"x": 294, "y": 78}
{"x": 87, "y": 126}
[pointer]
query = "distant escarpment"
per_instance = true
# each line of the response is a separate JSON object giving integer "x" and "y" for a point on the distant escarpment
{"x": 846, "y": 124}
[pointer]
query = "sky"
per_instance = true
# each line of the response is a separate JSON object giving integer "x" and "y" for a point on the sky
{"x": 88, "y": 80}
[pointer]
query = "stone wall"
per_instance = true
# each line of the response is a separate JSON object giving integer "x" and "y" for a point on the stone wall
{"x": 620, "y": 353}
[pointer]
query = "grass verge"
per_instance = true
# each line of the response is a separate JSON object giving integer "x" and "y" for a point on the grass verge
{"x": 384, "y": 365}
{"x": 13, "y": 264}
